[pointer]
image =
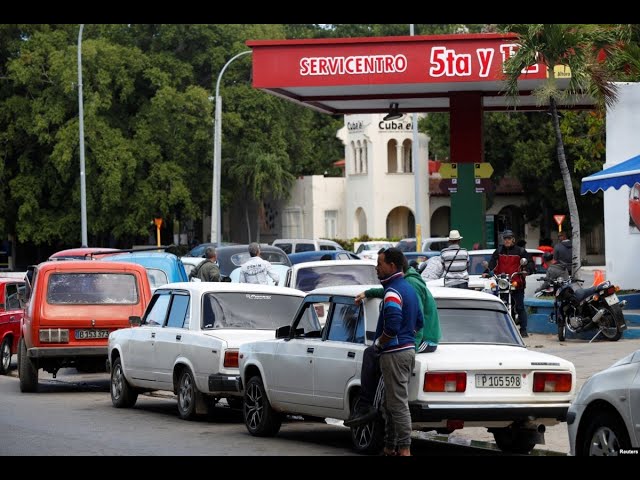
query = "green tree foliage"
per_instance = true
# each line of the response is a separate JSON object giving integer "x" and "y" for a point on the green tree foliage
{"x": 578, "y": 47}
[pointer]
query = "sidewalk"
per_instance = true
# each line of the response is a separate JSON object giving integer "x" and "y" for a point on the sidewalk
{"x": 587, "y": 358}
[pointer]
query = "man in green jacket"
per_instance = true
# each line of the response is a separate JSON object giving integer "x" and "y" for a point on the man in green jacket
{"x": 426, "y": 341}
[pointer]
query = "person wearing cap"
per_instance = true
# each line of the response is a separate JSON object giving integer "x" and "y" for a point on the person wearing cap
{"x": 506, "y": 259}
{"x": 455, "y": 262}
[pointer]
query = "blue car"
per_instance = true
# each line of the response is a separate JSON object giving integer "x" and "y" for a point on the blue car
{"x": 162, "y": 267}
{"x": 315, "y": 255}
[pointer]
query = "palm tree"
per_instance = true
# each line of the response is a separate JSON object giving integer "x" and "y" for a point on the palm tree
{"x": 261, "y": 174}
{"x": 581, "y": 48}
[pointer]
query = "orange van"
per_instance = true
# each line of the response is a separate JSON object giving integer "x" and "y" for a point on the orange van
{"x": 71, "y": 309}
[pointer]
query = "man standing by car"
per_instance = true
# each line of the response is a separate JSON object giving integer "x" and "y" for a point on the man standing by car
{"x": 399, "y": 319}
{"x": 506, "y": 259}
{"x": 455, "y": 262}
{"x": 208, "y": 270}
{"x": 256, "y": 269}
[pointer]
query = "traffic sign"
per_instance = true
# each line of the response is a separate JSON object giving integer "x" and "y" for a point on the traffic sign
{"x": 449, "y": 185}
{"x": 482, "y": 170}
{"x": 449, "y": 170}
{"x": 559, "y": 219}
{"x": 483, "y": 185}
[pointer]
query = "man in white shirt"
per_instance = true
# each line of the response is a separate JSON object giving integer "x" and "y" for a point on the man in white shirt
{"x": 455, "y": 262}
{"x": 256, "y": 270}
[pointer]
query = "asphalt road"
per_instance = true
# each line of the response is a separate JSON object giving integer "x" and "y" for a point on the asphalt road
{"x": 73, "y": 415}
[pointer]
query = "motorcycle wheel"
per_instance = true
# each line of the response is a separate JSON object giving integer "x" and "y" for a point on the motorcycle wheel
{"x": 610, "y": 323}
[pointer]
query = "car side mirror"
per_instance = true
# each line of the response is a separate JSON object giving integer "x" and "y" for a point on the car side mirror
{"x": 225, "y": 279}
{"x": 283, "y": 332}
{"x": 135, "y": 320}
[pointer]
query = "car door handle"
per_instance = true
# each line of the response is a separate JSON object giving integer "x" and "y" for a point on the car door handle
{"x": 351, "y": 354}
{"x": 310, "y": 350}
{"x": 178, "y": 337}
{"x": 153, "y": 334}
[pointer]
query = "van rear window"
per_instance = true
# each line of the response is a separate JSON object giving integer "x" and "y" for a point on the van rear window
{"x": 92, "y": 289}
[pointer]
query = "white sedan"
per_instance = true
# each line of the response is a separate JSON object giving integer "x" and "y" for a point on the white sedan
{"x": 604, "y": 418}
{"x": 187, "y": 341}
{"x": 481, "y": 375}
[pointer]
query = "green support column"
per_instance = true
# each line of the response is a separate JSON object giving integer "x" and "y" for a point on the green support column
{"x": 467, "y": 148}
{"x": 468, "y": 208}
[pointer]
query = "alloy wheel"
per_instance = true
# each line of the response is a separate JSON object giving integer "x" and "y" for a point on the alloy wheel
{"x": 604, "y": 443}
{"x": 185, "y": 393}
{"x": 6, "y": 356}
{"x": 117, "y": 382}
{"x": 254, "y": 406}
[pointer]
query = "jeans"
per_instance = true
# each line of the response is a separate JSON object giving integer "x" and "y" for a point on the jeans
{"x": 369, "y": 376}
{"x": 517, "y": 296}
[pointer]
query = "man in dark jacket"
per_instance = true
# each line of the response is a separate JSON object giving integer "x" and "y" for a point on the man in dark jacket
{"x": 506, "y": 259}
{"x": 208, "y": 270}
{"x": 563, "y": 252}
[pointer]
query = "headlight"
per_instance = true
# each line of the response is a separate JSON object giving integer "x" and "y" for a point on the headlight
{"x": 503, "y": 284}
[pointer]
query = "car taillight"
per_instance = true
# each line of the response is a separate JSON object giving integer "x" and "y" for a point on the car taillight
{"x": 445, "y": 382}
{"x": 552, "y": 382}
{"x": 231, "y": 359}
{"x": 54, "y": 335}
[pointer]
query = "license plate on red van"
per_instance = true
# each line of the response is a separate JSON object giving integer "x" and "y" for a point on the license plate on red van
{"x": 91, "y": 334}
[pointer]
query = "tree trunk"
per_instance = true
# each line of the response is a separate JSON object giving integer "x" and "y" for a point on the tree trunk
{"x": 258, "y": 219}
{"x": 246, "y": 218}
{"x": 568, "y": 187}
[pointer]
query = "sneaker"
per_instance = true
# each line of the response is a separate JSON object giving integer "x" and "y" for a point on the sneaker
{"x": 361, "y": 417}
{"x": 524, "y": 333}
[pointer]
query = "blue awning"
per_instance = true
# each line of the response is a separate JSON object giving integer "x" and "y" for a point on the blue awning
{"x": 624, "y": 173}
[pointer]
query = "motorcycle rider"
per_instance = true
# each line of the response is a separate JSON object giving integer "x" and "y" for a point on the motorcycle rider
{"x": 563, "y": 251}
{"x": 506, "y": 259}
{"x": 554, "y": 271}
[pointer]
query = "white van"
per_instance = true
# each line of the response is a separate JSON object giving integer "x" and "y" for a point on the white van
{"x": 297, "y": 245}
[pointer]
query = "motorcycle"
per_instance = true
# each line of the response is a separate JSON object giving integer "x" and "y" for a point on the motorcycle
{"x": 503, "y": 284}
{"x": 577, "y": 309}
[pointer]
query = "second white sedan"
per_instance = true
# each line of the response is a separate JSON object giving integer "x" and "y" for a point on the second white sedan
{"x": 481, "y": 375}
{"x": 187, "y": 341}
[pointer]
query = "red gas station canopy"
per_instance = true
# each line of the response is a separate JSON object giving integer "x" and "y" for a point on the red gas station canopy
{"x": 420, "y": 73}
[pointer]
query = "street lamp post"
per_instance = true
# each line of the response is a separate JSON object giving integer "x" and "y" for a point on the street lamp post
{"x": 83, "y": 186}
{"x": 216, "y": 231}
{"x": 417, "y": 168}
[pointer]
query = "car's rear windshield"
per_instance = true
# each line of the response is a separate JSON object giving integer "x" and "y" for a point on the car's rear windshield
{"x": 310, "y": 278}
{"x": 92, "y": 289}
{"x": 472, "y": 321}
{"x": 260, "y": 311}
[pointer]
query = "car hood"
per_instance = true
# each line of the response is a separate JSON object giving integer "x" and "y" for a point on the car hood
{"x": 488, "y": 357}
{"x": 234, "y": 337}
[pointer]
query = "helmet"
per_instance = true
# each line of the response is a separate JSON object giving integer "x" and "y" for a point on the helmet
{"x": 508, "y": 233}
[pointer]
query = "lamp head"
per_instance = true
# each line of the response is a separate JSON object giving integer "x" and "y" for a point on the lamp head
{"x": 394, "y": 113}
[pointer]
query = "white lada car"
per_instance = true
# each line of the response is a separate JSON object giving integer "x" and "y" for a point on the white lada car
{"x": 481, "y": 375}
{"x": 187, "y": 341}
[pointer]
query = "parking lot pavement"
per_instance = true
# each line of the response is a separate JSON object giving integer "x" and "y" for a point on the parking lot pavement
{"x": 588, "y": 358}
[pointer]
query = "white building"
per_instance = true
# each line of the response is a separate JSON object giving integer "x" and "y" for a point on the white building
{"x": 376, "y": 196}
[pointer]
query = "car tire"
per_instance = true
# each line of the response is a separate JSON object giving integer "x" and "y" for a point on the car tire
{"x": 605, "y": 435}
{"x": 27, "y": 371}
{"x": 368, "y": 438}
{"x": 187, "y": 395}
{"x": 259, "y": 418}
{"x": 122, "y": 394}
{"x": 5, "y": 356}
{"x": 513, "y": 440}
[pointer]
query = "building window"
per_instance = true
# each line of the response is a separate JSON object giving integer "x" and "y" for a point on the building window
{"x": 331, "y": 223}
{"x": 407, "y": 156}
{"x": 392, "y": 156}
{"x": 354, "y": 157}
